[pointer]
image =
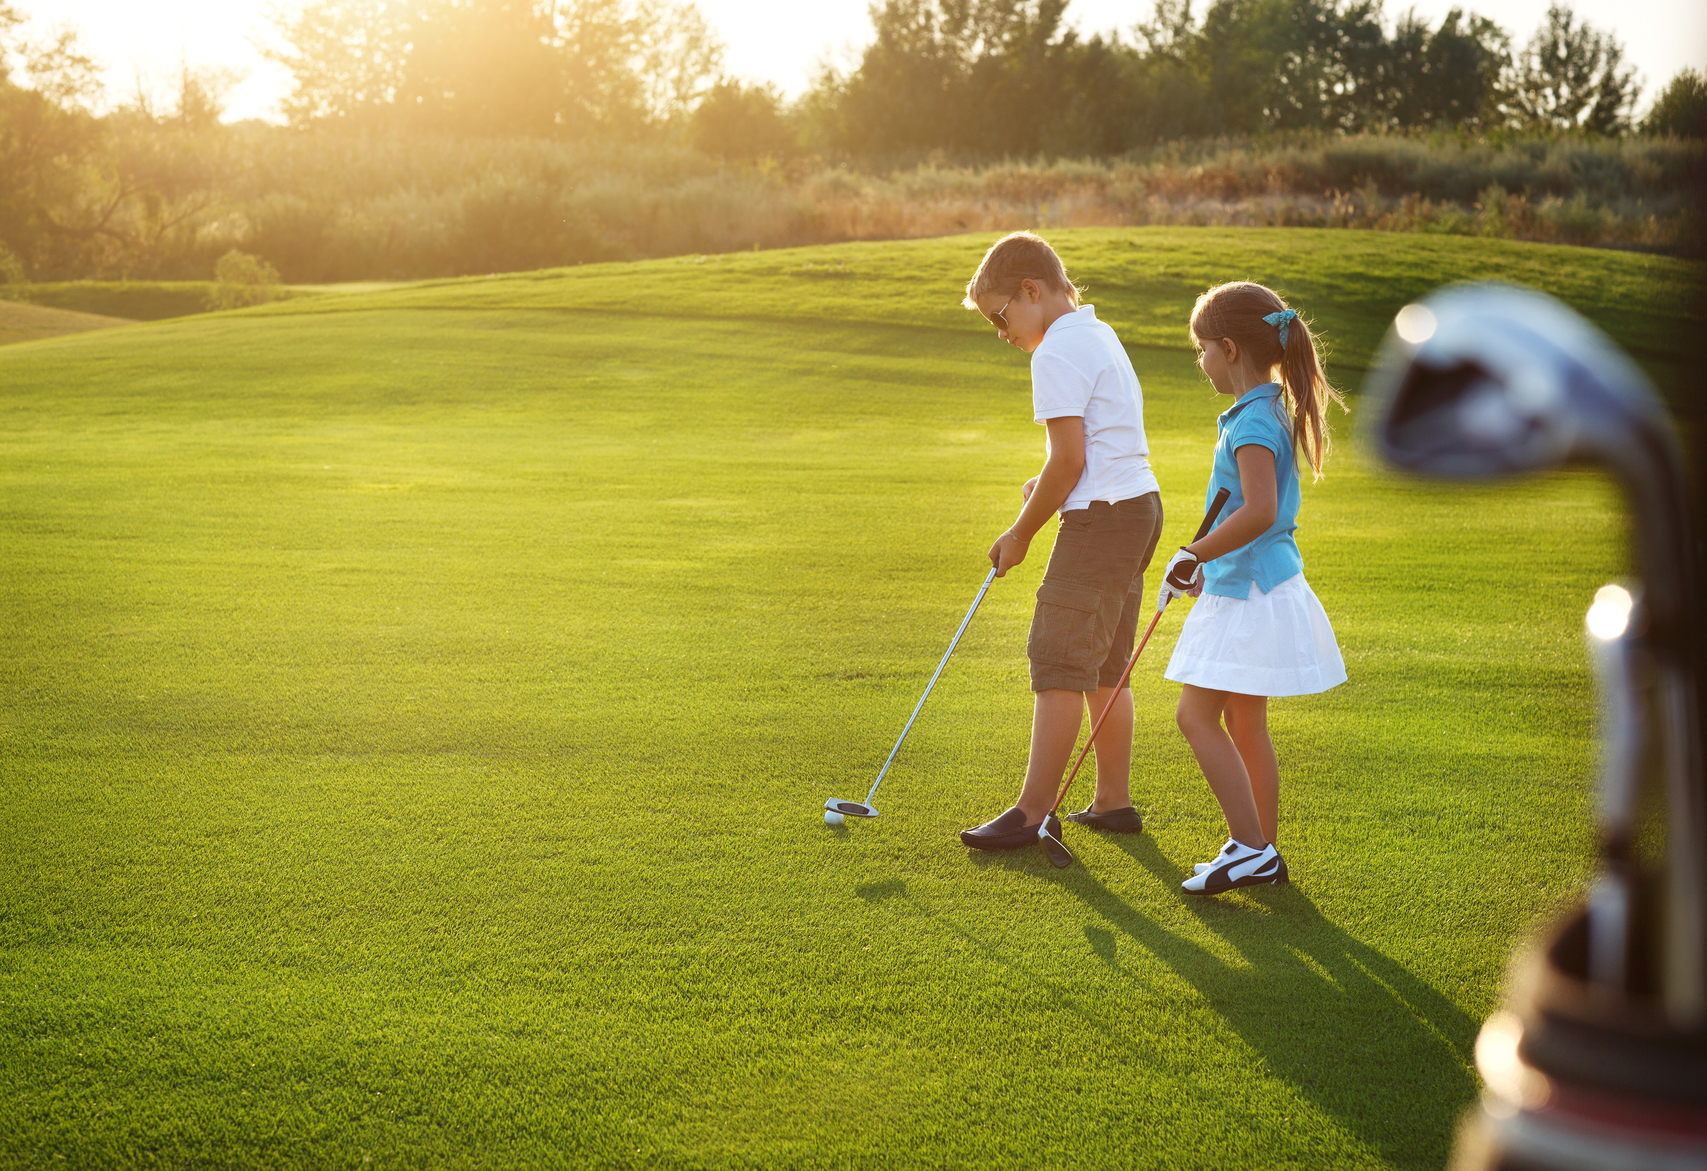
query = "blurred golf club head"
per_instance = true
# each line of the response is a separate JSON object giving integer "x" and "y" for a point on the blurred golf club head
{"x": 1482, "y": 381}
{"x": 1491, "y": 380}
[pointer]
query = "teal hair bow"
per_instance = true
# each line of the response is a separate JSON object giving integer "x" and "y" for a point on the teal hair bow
{"x": 1280, "y": 319}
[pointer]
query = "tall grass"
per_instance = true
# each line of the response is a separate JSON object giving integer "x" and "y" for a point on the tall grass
{"x": 323, "y": 207}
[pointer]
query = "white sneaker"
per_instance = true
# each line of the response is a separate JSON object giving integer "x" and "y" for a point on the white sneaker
{"x": 1237, "y": 865}
{"x": 1233, "y": 844}
{"x": 1200, "y": 867}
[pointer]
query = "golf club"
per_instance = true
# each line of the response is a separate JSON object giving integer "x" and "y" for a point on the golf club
{"x": 1600, "y": 1058}
{"x": 841, "y": 808}
{"x": 1053, "y": 847}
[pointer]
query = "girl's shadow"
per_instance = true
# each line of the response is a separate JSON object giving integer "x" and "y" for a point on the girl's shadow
{"x": 1357, "y": 1033}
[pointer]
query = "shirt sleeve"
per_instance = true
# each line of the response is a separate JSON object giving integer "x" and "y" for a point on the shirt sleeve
{"x": 1260, "y": 425}
{"x": 1058, "y": 389}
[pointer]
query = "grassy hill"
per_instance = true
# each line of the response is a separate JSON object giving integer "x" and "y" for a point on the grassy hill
{"x": 1143, "y": 282}
{"x": 153, "y": 300}
{"x": 418, "y": 705}
{"x": 27, "y": 323}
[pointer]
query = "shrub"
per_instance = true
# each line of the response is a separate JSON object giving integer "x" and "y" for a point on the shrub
{"x": 327, "y": 206}
{"x": 241, "y": 279}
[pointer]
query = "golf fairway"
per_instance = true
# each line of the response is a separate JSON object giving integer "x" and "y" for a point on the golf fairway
{"x": 416, "y": 711}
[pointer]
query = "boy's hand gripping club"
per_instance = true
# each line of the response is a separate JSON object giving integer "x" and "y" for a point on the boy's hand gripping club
{"x": 1053, "y": 846}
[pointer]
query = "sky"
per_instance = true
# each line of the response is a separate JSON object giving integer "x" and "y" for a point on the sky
{"x": 768, "y": 40}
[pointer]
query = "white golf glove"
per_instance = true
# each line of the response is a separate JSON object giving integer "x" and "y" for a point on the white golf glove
{"x": 1183, "y": 574}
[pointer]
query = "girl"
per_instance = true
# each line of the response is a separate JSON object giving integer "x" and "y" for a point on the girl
{"x": 1258, "y": 630}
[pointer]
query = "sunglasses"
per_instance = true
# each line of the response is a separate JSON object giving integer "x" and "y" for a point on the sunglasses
{"x": 1001, "y": 315}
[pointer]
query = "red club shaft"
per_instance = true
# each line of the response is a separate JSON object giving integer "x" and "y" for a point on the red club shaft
{"x": 1215, "y": 506}
{"x": 1108, "y": 707}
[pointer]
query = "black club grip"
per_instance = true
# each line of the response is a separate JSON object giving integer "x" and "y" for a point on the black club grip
{"x": 1209, "y": 517}
{"x": 1181, "y": 576}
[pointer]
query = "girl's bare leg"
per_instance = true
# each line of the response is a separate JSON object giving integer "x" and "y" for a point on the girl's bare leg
{"x": 1199, "y": 717}
{"x": 1247, "y": 721}
{"x": 1114, "y": 748}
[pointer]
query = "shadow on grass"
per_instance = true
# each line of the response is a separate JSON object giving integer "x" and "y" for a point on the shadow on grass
{"x": 1361, "y": 1036}
{"x": 876, "y": 892}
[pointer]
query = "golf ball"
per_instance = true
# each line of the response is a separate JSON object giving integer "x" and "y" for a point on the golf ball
{"x": 831, "y": 817}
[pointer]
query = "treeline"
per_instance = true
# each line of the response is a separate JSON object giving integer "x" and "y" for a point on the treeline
{"x": 445, "y": 137}
{"x": 977, "y": 79}
{"x": 1002, "y": 75}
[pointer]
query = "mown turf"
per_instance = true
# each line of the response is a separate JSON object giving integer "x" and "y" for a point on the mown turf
{"x": 417, "y": 707}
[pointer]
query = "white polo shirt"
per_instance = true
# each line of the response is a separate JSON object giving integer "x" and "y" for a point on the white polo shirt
{"x": 1081, "y": 369}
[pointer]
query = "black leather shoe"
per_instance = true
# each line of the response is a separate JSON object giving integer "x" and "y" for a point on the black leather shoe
{"x": 1114, "y": 821}
{"x": 1006, "y": 831}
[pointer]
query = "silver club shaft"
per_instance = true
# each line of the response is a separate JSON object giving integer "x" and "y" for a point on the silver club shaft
{"x": 946, "y": 655}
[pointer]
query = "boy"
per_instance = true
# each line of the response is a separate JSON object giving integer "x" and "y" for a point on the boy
{"x": 1097, "y": 476}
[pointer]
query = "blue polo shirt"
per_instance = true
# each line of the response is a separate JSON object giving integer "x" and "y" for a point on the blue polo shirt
{"x": 1258, "y": 417}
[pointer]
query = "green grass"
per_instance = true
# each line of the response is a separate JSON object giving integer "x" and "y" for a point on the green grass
{"x": 415, "y": 710}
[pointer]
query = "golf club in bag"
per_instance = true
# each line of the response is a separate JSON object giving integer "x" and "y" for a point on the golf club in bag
{"x": 1599, "y": 1057}
{"x": 1053, "y": 847}
{"x": 865, "y": 808}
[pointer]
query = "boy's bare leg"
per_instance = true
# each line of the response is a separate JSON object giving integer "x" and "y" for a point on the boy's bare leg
{"x": 1114, "y": 749}
{"x": 1056, "y": 717}
{"x": 1247, "y": 722}
{"x": 1199, "y": 717}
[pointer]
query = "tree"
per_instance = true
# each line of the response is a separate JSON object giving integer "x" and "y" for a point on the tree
{"x": 989, "y": 76}
{"x": 55, "y": 201}
{"x": 197, "y": 100}
{"x": 1571, "y": 76}
{"x": 496, "y": 67}
{"x": 1167, "y": 82}
{"x": 1292, "y": 64}
{"x": 681, "y": 58}
{"x": 741, "y": 123}
{"x": 347, "y": 57}
{"x": 599, "y": 41}
{"x": 907, "y": 93}
{"x": 1450, "y": 76}
{"x": 57, "y": 68}
{"x": 1681, "y": 108}
{"x": 485, "y": 68}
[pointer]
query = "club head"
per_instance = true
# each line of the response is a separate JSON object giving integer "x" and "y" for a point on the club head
{"x": 1480, "y": 381}
{"x": 1054, "y": 848}
{"x": 1476, "y": 382}
{"x": 849, "y": 808}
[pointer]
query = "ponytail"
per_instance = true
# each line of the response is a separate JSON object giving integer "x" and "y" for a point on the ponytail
{"x": 1308, "y": 394}
{"x": 1258, "y": 321}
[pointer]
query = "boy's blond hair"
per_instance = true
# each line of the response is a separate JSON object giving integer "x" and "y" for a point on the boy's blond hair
{"x": 1017, "y": 257}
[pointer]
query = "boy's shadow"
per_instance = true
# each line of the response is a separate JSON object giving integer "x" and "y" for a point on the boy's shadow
{"x": 1357, "y": 1033}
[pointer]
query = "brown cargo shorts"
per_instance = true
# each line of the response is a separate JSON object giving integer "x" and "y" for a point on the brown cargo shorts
{"x": 1093, "y": 594}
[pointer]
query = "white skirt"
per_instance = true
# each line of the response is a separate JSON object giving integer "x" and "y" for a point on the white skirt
{"x": 1278, "y": 643}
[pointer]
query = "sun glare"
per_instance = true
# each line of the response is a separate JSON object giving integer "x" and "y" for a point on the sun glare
{"x": 1610, "y": 614}
{"x": 1415, "y": 324}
